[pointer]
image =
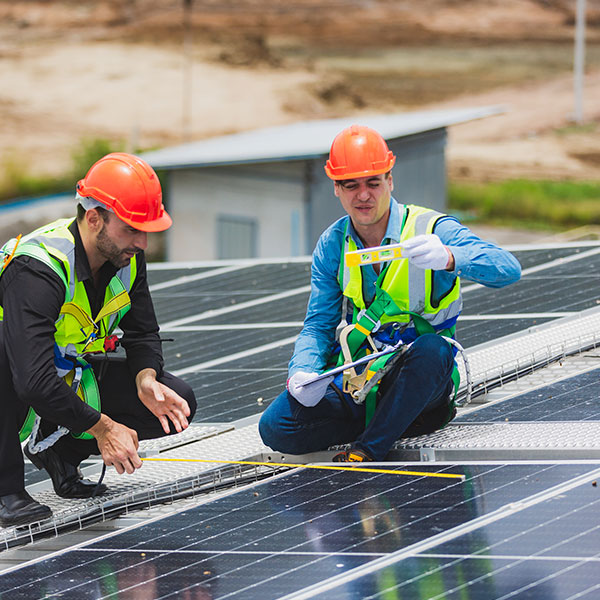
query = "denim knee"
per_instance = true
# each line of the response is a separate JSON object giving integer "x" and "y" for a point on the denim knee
{"x": 271, "y": 431}
{"x": 265, "y": 429}
{"x": 279, "y": 430}
{"x": 435, "y": 350}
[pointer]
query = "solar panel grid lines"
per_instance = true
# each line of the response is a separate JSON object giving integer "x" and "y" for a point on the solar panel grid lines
{"x": 552, "y": 262}
{"x": 231, "y": 394}
{"x": 510, "y": 316}
{"x": 470, "y": 332}
{"x": 235, "y": 356}
{"x": 157, "y": 273}
{"x": 212, "y": 517}
{"x": 212, "y": 313}
{"x": 538, "y": 286}
{"x": 189, "y": 278}
{"x": 535, "y": 347}
{"x": 189, "y": 343}
{"x": 558, "y": 371}
{"x": 570, "y": 366}
{"x": 248, "y": 304}
{"x": 534, "y": 538}
{"x": 439, "y": 540}
{"x": 289, "y": 536}
{"x": 242, "y": 326}
{"x": 571, "y": 399}
{"x": 192, "y": 350}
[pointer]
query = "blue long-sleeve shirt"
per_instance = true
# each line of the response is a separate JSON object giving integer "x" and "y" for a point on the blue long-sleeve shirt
{"x": 474, "y": 259}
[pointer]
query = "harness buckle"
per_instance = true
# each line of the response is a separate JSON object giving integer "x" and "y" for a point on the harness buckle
{"x": 364, "y": 313}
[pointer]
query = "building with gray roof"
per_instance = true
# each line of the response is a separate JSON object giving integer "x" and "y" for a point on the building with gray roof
{"x": 264, "y": 193}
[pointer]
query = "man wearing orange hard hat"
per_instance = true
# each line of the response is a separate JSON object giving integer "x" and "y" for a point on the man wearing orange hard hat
{"x": 375, "y": 359}
{"x": 64, "y": 289}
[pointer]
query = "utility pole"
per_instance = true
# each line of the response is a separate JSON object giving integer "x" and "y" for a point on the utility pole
{"x": 186, "y": 109}
{"x": 579, "y": 61}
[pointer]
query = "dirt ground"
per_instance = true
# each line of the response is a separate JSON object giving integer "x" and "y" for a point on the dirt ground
{"x": 132, "y": 73}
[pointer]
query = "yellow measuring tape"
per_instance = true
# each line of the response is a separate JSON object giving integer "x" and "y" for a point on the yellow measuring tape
{"x": 292, "y": 465}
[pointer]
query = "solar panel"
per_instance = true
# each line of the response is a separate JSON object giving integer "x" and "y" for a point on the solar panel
{"x": 348, "y": 534}
{"x": 573, "y": 399}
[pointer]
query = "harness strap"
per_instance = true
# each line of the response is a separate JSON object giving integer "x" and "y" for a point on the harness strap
{"x": 10, "y": 256}
{"x": 352, "y": 381}
{"x": 374, "y": 371}
{"x": 113, "y": 306}
{"x": 82, "y": 381}
{"x": 361, "y": 330}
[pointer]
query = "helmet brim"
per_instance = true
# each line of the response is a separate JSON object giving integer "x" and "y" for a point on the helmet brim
{"x": 161, "y": 224}
{"x": 356, "y": 174}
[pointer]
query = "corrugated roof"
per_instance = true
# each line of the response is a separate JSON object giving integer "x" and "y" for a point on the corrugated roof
{"x": 306, "y": 139}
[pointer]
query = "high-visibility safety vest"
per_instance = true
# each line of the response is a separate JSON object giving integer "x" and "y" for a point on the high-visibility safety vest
{"x": 77, "y": 331}
{"x": 404, "y": 294}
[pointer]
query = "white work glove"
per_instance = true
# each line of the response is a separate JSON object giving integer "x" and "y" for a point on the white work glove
{"x": 311, "y": 394}
{"x": 426, "y": 251}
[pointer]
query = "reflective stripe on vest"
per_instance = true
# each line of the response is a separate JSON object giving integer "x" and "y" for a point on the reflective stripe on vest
{"x": 410, "y": 287}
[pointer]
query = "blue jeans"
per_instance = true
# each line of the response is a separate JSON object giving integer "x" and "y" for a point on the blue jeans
{"x": 419, "y": 382}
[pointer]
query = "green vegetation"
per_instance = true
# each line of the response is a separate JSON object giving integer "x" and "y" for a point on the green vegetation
{"x": 18, "y": 182}
{"x": 528, "y": 204}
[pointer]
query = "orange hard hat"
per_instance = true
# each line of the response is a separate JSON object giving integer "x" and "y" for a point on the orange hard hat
{"x": 129, "y": 186}
{"x": 358, "y": 151}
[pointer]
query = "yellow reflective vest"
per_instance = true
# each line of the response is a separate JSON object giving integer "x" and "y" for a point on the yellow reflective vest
{"x": 410, "y": 288}
{"x": 77, "y": 330}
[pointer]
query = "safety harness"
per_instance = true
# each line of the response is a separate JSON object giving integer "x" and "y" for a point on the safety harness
{"x": 403, "y": 296}
{"x": 77, "y": 332}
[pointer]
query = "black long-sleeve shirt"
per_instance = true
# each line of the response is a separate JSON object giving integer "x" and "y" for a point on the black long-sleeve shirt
{"x": 32, "y": 294}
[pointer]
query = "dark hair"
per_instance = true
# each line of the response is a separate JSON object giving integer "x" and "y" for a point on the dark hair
{"x": 101, "y": 211}
{"x": 343, "y": 181}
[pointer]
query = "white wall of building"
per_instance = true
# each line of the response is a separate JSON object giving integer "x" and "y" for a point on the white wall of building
{"x": 270, "y": 195}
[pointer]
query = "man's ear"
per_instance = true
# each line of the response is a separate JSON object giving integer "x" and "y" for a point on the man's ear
{"x": 391, "y": 182}
{"x": 336, "y": 188}
{"x": 93, "y": 220}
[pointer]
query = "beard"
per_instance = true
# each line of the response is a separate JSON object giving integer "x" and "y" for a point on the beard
{"x": 109, "y": 250}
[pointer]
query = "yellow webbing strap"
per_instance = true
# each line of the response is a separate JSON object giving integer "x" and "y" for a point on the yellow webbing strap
{"x": 362, "y": 329}
{"x": 114, "y": 305}
{"x": 352, "y": 381}
{"x": 75, "y": 311}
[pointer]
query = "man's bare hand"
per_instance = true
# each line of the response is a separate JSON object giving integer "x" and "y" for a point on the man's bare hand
{"x": 162, "y": 401}
{"x": 118, "y": 445}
